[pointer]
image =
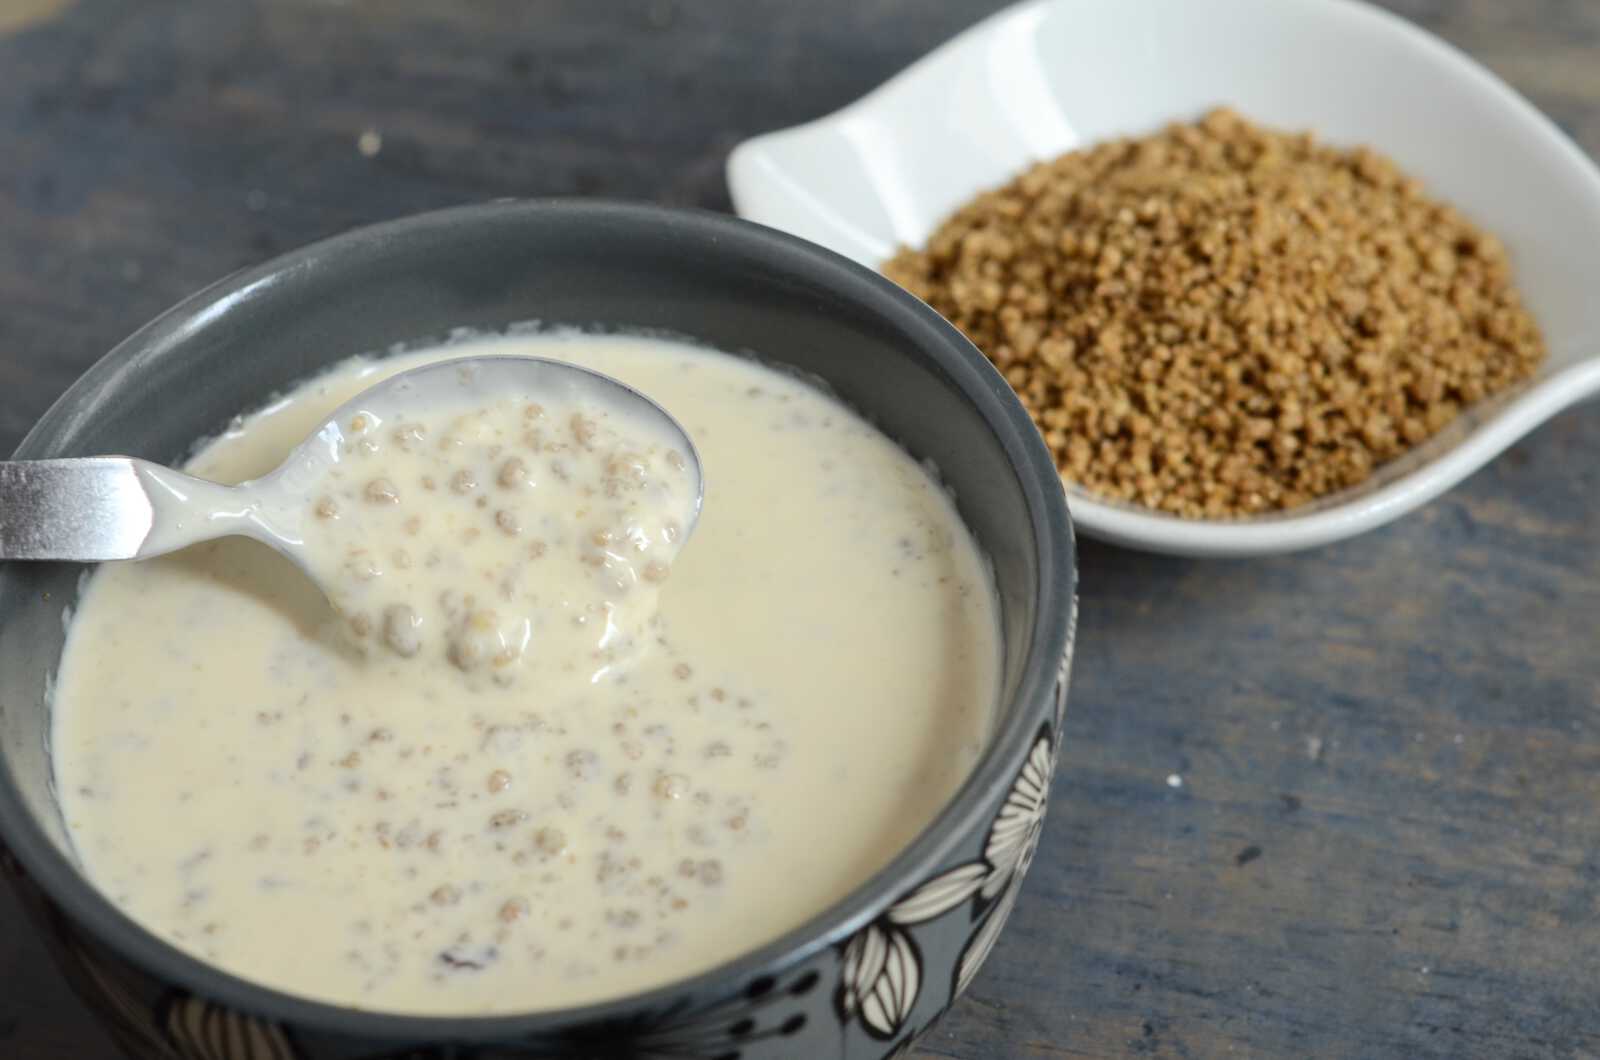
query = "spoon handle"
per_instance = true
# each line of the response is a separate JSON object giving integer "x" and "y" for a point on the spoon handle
{"x": 89, "y": 509}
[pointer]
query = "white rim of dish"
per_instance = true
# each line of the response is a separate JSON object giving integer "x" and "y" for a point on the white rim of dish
{"x": 1289, "y": 532}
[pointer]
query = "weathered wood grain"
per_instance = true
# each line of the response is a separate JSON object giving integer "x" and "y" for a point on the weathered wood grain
{"x": 1385, "y": 840}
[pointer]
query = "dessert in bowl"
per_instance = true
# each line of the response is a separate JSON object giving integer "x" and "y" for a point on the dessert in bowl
{"x": 594, "y": 860}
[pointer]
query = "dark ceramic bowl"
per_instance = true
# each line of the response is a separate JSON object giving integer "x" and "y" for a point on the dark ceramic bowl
{"x": 863, "y": 979}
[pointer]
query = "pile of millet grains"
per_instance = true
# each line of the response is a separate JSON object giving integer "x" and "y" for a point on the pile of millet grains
{"x": 1220, "y": 320}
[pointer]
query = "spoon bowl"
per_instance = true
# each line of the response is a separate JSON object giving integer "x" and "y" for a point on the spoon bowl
{"x": 1048, "y": 76}
{"x": 110, "y": 508}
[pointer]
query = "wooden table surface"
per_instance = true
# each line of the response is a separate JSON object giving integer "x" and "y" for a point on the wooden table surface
{"x": 1337, "y": 804}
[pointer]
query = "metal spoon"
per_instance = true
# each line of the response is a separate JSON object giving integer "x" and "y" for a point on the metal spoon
{"x": 116, "y": 507}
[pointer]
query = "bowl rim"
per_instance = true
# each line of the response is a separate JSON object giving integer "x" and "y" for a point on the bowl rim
{"x": 1049, "y": 641}
{"x": 1335, "y": 517}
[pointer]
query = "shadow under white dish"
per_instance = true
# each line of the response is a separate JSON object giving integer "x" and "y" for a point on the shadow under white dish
{"x": 1048, "y": 76}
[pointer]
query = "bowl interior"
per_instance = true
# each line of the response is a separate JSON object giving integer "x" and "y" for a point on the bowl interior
{"x": 1048, "y": 76}
{"x": 729, "y": 284}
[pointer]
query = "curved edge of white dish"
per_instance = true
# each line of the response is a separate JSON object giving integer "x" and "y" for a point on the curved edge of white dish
{"x": 762, "y": 191}
{"x": 1268, "y": 535}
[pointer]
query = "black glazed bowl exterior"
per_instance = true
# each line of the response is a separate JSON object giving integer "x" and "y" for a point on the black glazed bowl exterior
{"x": 861, "y": 980}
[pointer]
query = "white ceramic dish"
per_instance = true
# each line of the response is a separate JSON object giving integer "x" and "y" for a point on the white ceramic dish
{"x": 1046, "y": 76}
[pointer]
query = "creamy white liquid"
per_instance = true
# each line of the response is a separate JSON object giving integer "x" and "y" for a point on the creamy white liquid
{"x": 364, "y": 826}
{"x": 516, "y": 534}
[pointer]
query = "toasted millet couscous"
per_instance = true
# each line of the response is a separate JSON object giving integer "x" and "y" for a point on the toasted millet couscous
{"x": 1219, "y": 320}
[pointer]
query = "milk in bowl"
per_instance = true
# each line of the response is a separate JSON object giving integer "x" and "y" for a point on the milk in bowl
{"x": 553, "y": 737}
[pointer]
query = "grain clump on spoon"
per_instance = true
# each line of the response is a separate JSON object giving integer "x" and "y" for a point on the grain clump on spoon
{"x": 1220, "y": 320}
